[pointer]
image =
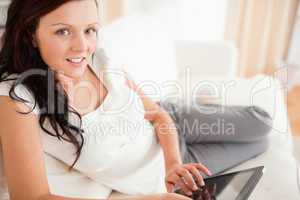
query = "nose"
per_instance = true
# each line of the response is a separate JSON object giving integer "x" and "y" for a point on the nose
{"x": 79, "y": 43}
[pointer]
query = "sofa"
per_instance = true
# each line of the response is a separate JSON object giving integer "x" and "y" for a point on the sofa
{"x": 138, "y": 43}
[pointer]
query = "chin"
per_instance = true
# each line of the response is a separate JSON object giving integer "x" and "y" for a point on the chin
{"x": 76, "y": 74}
{"x": 73, "y": 73}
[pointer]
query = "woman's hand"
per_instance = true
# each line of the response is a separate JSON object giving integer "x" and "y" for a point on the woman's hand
{"x": 173, "y": 196}
{"x": 186, "y": 176}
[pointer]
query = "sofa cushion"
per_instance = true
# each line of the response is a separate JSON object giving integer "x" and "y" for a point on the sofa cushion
{"x": 142, "y": 46}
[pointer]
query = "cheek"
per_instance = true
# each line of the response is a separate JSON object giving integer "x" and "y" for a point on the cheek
{"x": 53, "y": 53}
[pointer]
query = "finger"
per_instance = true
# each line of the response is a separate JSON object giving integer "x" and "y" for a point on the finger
{"x": 202, "y": 168}
{"x": 178, "y": 181}
{"x": 195, "y": 172}
{"x": 170, "y": 187}
{"x": 183, "y": 187}
{"x": 188, "y": 178}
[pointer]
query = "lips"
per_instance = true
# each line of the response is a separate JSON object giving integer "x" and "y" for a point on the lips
{"x": 76, "y": 60}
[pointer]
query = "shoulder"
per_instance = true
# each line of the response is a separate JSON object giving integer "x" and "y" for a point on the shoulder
{"x": 101, "y": 62}
{"x": 21, "y": 91}
{"x": 112, "y": 72}
{"x": 14, "y": 117}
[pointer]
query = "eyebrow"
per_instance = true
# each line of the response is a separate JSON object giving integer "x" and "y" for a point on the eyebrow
{"x": 71, "y": 25}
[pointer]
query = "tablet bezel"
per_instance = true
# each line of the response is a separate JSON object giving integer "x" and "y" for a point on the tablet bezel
{"x": 249, "y": 186}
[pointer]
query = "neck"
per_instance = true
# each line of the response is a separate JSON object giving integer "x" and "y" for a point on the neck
{"x": 68, "y": 83}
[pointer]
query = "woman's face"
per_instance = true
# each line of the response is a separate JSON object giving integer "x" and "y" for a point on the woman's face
{"x": 67, "y": 37}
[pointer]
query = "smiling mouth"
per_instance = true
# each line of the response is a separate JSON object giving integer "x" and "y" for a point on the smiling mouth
{"x": 75, "y": 60}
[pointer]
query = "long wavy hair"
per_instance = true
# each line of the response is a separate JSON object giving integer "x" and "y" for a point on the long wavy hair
{"x": 18, "y": 56}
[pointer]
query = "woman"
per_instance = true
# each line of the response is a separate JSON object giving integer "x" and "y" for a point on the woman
{"x": 60, "y": 98}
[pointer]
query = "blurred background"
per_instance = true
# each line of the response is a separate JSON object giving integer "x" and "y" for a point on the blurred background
{"x": 215, "y": 38}
{"x": 261, "y": 30}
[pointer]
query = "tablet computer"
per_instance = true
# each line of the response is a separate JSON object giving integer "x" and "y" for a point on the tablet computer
{"x": 231, "y": 186}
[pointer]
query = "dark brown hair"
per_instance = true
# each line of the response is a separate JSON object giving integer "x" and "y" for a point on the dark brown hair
{"x": 18, "y": 56}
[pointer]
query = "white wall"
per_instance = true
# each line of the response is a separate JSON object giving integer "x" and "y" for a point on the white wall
{"x": 200, "y": 20}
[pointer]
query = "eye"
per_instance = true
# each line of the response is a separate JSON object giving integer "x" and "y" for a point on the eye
{"x": 91, "y": 31}
{"x": 62, "y": 32}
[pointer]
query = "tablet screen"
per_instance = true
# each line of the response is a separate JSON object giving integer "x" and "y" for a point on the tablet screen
{"x": 227, "y": 186}
{"x": 236, "y": 185}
